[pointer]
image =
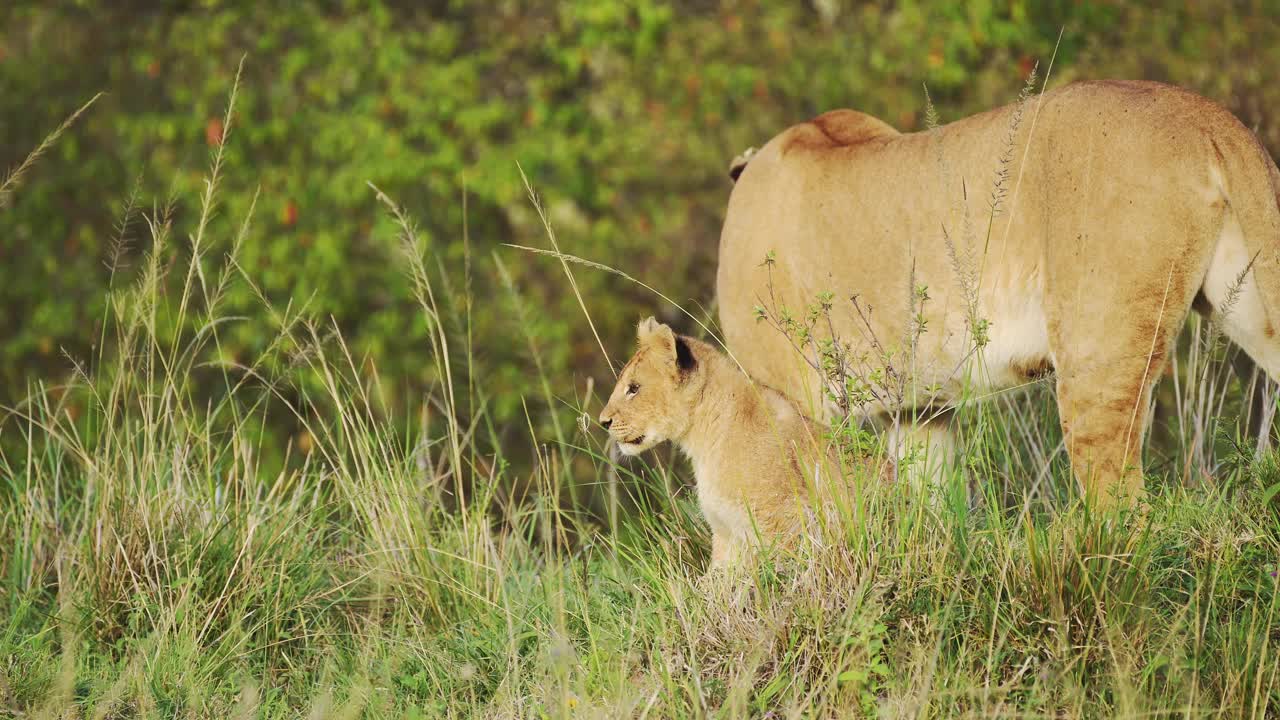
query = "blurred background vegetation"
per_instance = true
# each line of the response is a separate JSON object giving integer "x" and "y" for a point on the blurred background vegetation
{"x": 623, "y": 114}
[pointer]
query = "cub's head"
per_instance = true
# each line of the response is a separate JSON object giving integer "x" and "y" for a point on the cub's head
{"x": 652, "y": 400}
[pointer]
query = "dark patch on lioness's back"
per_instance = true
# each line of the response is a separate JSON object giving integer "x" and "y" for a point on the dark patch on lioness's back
{"x": 835, "y": 129}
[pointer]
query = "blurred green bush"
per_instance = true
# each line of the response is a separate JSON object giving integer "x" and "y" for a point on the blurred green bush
{"x": 623, "y": 115}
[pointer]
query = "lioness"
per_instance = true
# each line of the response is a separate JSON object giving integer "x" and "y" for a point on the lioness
{"x": 759, "y": 464}
{"x": 1069, "y": 232}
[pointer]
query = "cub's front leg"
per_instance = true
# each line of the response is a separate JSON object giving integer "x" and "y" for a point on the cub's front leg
{"x": 719, "y": 550}
{"x": 727, "y": 550}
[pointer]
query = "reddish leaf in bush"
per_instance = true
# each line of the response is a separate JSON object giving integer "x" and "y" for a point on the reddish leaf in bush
{"x": 289, "y": 214}
{"x": 1025, "y": 63}
{"x": 213, "y": 132}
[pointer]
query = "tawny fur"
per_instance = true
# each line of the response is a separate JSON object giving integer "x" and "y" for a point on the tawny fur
{"x": 761, "y": 466}
{"x": 1120, "y": 203}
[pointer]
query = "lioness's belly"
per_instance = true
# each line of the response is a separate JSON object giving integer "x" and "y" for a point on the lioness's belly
{"x": 917, "y": 323}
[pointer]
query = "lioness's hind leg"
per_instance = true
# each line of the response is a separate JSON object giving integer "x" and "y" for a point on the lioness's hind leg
{"x": 1116, "y": 297}
{"x": 1110, "y": 339}
{"x": 1103, "y": 417}
{"x": 1234, "y": 299}
{"x": 1106, "y": 370}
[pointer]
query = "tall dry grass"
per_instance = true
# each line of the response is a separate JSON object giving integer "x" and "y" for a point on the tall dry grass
{"x": 152, "y": 566}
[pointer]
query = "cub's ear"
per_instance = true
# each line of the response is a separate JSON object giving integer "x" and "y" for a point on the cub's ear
{"x": 686, "y": 363}
{"x": 652, "y": 332}
{"x": 647, "y": 327}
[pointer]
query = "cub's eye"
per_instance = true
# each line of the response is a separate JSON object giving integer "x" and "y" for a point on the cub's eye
{"x": 633, "y": 388}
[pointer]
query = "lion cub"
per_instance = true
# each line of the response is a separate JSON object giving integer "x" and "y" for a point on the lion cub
{"x": 757, "y": 460}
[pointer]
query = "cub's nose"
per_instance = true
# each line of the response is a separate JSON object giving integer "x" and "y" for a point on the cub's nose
{"x": 605, "y": 422}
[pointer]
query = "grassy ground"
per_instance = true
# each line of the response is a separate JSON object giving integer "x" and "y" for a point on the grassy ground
{"x": 150, "y": 569}
{"x": 153, "y": 564}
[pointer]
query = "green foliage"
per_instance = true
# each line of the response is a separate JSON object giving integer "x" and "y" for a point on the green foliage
{"x": 624, "y": 114}
{"x": 155, "y": 562}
